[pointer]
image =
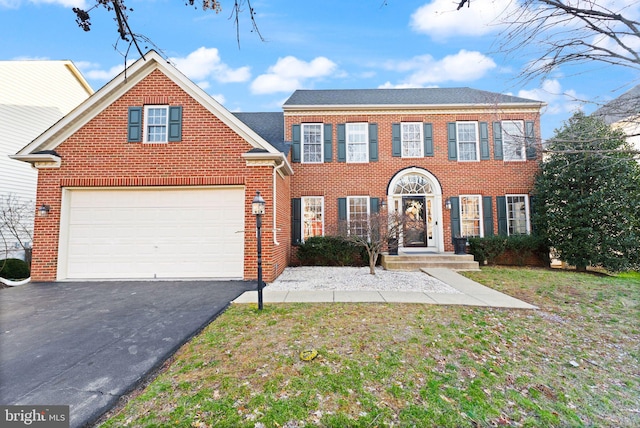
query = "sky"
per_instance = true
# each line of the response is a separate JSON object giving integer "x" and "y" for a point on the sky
{"x": 312, "y": 44}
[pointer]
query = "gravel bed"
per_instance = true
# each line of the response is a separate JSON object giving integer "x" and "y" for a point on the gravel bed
{"x": 356, "y": 278}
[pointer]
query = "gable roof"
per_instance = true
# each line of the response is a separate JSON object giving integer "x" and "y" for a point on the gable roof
{"x": 403, "y": 97}
{"x": 119, "y": 85}
{"x": 625, "y": 106}
{"x": 268, "y": 125}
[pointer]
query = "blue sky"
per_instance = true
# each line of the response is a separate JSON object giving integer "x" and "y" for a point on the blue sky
{"x": 311, "y": 44}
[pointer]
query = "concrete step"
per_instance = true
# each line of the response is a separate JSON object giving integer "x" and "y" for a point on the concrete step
{"x": 415, "y": 262}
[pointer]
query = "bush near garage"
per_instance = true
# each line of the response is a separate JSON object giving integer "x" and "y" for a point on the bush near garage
{"x": 14, "y": 269}
{"x": 330, "y": 251}
{"x": 514, "y": 250}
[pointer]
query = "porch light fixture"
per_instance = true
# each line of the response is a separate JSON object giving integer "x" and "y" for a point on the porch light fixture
{"x": 447, "y": 203}
{"x": 383, "y": 203}
{"x": 43, "y": 211}
{"x": 258, "y": 209}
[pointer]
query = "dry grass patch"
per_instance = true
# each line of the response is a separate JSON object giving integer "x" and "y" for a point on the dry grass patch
{"x": 574, "y": 362}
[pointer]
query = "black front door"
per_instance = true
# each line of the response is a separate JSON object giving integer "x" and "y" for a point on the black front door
{"x": 414, "y": 225}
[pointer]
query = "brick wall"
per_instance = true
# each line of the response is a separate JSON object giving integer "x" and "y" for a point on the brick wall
{"x": 487, "y": 177}
{"x": 98, "y": 155}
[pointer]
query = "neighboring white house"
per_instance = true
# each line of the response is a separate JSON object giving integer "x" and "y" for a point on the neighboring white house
{"x": 33, "y": 96}
{"x": 624, "y": 113}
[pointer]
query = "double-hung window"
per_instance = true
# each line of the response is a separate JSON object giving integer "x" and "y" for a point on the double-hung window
{"x": 312, "y": 142}
{"x": 513, "y": 141}
{"x": 358, "y": 215}
{"x": 156, "y": 122}
{"x": 357, "y": 141}
{"x": 518, "y": 222}
{"x": 412, "y": 142}
{"x": 312, "y": 216}
{"x": 471, "y": 215}
{"x": 467, "y": 138}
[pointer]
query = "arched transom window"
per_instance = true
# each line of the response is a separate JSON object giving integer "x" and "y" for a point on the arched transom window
{"x": 412, "y": 184}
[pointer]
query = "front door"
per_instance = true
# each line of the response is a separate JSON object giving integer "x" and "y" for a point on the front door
{"x": 415, "y": 224}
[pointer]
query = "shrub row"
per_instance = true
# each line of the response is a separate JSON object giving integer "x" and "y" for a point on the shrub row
{"x": 331, "y": 251}
{"x": 517, "y": 250}
{"x": 14, "y": 269}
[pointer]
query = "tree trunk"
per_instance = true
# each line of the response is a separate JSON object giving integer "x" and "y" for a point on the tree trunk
{"x": 581, "y": 268}
{"x": 373, "y": 257}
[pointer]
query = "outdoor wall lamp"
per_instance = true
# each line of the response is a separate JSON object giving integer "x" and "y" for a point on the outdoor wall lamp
{"x": 43, "y": 211}
{"x": 258, "y": 209}
{"x": 447, "y": 203}
{"x": 383, "y": 203}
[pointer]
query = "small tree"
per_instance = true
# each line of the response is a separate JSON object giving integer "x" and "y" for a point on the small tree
{"x": 373, "y": 232}
{"x": 588, "y": 203}
{"x": 16, "y": 224}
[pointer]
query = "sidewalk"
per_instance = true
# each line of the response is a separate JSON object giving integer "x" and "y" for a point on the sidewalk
{"x": 470, "y": 294}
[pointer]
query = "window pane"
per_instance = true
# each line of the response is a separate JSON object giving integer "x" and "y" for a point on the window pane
{"x": 412, "y": 140}
{"x": 157, "y": 124}
{"x": 470, "y": 216}
{"x": 517, "y": 215}
{"x": 312, "y": 142}
{"x": 357, "y": 142}
{"x": 358, "y": 215}
{"x": 467, "y": 141}
{"x": 513, "y": 140}
{"x": 312, "y": 223}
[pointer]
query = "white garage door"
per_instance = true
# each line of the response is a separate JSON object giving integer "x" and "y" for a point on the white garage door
{"x": 152, "y": 233}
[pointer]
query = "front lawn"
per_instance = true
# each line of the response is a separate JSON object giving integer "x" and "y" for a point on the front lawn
{"x": 573, "y": 362}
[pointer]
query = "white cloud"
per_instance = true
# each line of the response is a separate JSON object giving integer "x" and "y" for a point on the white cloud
{"x": 290, "y": 73}
{"x": 558, "y": 100}
{"x": 440, "y": 19}
{"x": 205, "y": 63}
{"x": 66, "y": 3}
{"x": 97, "y": 74}
{"x": 219, "y": 98}
{"x": 463, "y": 66}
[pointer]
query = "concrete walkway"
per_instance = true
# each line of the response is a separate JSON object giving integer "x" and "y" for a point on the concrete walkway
{"x": 471, "y": 294}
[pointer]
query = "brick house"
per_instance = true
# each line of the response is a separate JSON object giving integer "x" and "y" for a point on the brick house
{"x": 152, "y": 178}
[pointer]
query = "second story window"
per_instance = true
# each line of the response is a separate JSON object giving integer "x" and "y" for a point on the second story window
{"x": 412, "y": 143}
{"x": 357, "y": 140}
{"x": 513, "y": 141}
{"x": 312, "y": 143}
{"x": 156, "y": 120}
{"x": 467, "y": 138}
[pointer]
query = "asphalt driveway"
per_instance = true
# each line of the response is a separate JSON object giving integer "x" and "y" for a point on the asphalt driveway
{"x": 85, "y": 344}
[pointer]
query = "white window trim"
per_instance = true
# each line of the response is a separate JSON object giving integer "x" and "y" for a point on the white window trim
{"x": 523, "y": 157}
{"x": 480, "y": 213}
{"x": 477, "y": 159}
{"x": 303, "y": 125}
{"x": 145, "y": 130}
{"x": 420, "y": 139}
{"x": 526, "y": 210}
{"x": 302, "y": 207}
{"x": 366, "y": 141}
{"x": 368, "y": 203}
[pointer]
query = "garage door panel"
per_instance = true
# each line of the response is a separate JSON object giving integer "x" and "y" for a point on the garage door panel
{"x": 159, "y": 233}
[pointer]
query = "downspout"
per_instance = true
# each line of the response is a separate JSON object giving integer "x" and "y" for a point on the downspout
{"x": 275, "y": 230}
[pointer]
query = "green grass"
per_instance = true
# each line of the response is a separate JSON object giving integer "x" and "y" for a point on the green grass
{"x": 573, "y": 362}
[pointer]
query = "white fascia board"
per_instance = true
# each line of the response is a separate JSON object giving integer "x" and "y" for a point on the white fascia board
{"x": 279, "y": 158}
{"x": 38, "y": 161}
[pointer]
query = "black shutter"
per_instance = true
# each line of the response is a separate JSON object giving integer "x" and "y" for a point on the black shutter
{"x": 175, "y": 123}
{"x": 501, "y": 207}
{"x": 342, "y": 143}
{"x": 373, "y": 142}
{"x": 396, "y": 143}
{"x": 452, "y": 141}
{"x": 455, "y": 217}
{"x": 497, "y": 141}
{"x": 295, "y": 145}
{"x": 484, "y": 141}
{"x": 487, "y": 215}
{"x": 134, "y": 125}
{"x": 428, "y": 139}
{"x": 374, "y": 205}
{"x": 328, "y": 142}
{"x": 296, "y": 221}
{"x": 530, "y": 140}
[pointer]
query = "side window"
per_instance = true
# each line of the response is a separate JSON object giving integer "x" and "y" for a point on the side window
{"x": 156, "y": 122}
{"x": 312, "y": 216}
{"x": 412, "y": 140}
{"x": 357, "y": 142}
{"x": 518, "y": 222}
{"x": 467, "y": 141}
{"x": 312, "y": 143}
{"x": 471, "y": 215}
{"x": 513, "y": 142}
